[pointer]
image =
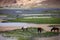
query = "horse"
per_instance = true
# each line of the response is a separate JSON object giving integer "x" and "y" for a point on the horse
{"x": 24, "y": 28}
{"x": 39, "y": 30}
{"x": 55, "y": 29}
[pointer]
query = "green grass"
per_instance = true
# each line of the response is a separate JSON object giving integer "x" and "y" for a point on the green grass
{"x": 38, "y": 20}
{"x": 27, "y": 35}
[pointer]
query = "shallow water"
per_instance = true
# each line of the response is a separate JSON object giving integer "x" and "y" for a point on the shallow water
{"x": 14, "y": 24}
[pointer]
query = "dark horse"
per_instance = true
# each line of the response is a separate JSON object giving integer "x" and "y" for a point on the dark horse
{"x": 22, "y": 28}
{"x": 39, "y": 30}
{"x": 55, "y": 29}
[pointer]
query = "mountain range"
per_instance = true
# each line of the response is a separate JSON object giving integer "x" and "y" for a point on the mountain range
{"x": 30, "y": 3}
{"x": 27, "y": 11}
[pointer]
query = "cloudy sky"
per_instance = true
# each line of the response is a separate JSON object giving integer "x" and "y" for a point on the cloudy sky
{"x": 33, "y": 3}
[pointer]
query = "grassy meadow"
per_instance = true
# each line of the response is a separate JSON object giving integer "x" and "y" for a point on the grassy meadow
{"x": 32, "y": 32}
{"x": 38, "y": 20}
{"x": 53, "y": 20}
{"x": 28, "y": 34}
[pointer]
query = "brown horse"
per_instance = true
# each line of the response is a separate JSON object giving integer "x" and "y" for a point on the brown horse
{"x": 39, "y": 30}
{"x": 22, "y": 28}
{"x": 55, "y": 29}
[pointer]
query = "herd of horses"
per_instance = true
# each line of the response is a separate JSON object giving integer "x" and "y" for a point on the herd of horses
{"x": 39, "y": 30}
{"x": 54, "y": 29}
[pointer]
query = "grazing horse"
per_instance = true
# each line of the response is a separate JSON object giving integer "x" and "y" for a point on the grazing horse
{"x": 39, "y": 30}
{"x": 55, "y": 29}
{"x": 24, "y": 28}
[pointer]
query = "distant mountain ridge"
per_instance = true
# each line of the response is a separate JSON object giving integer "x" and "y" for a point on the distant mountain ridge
{"x": 30, "y": 3}
{"x": 23, "y": 11}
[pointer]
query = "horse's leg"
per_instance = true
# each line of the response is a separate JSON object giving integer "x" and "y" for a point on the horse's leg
{"x": 26, "y": 29}
{"x": 51, "y": 30}
{"x": 54, "y": 30}
{"x": 57, "y": 30}
{"x": 40, "y": 30}
{"x": 23, "y": 29}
